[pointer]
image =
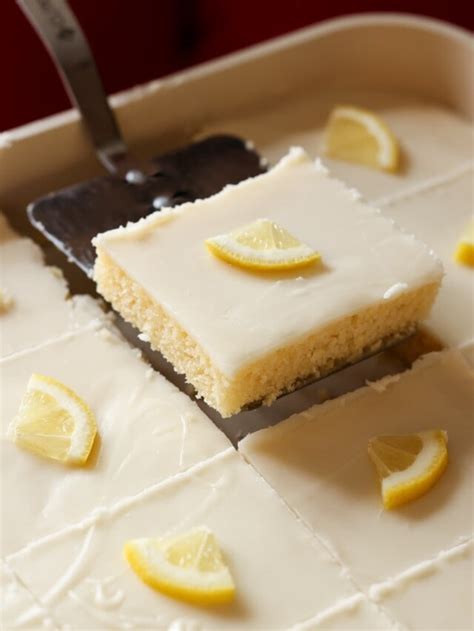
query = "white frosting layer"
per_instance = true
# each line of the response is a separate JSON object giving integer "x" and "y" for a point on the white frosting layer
{"x": 439, "y": 217}
{"x": 318, "y": 462}
{"x": 39, "y": 309}
{"x": 363, "y": 255}
{"x": 147, "y": 431}
{"x": 282, "y": 573}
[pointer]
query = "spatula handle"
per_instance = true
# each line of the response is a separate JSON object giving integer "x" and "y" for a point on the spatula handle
{"x": 62, "y": 35}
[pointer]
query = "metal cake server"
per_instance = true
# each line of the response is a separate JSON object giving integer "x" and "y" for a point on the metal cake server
{"x": 71, "y": 217}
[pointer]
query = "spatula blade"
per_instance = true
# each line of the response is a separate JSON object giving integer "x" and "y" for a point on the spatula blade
{"x": 71, "y": 217}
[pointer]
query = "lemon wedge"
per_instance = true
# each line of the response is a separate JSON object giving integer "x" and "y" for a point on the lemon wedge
{"x": 262, "y": 246}
{"x": 359, "y": 135}
{"x": 189, "y": 567}
{"x": 464, "y": 253}
{"x": 54, "y": 422}
{"x": 408, "y": 465}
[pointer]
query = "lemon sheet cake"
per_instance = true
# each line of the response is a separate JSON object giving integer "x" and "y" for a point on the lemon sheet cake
{"x": 282, "y": 573}
{"x": 318, "y": 462}
{"x": 147, "y": 431}
{"x": 241, "y": 336}
{"x": 34, "y": 302}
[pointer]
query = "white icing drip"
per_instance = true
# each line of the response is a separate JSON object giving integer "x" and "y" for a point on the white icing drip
{"x": 116, "y": 620}
{"x": 426, "y": 185}
{"x": 144, "y": 337}
{"x": 11, "y": 586}
{"x": 318, "y": 163}
{"x": 106, "y": 595}
{"x": 70, "y": 576}
{"x": 381, "y": 384}
{"x": 202, "y": 509}
{"x": 348, "y": 605}
{"x": 184, "y": 424}
{"x": 395, "y": 290}
{"x": 183, "y": 624}
{"x": 379, "y": 590}
{"x": 354, "y": 194}
{"x": 33, "y": 616}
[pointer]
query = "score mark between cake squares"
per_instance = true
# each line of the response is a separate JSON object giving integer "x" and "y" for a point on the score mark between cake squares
{"x": 241, "y": 336}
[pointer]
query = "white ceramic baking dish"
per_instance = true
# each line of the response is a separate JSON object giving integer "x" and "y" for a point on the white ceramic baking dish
{"x": 390, "y": 52}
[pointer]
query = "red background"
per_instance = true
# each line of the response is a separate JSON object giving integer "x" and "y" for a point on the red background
{"x": 138, "y": 40}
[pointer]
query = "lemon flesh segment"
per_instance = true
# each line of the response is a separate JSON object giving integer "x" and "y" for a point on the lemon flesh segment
{"x": 189, "y": 567}
{"x": 359, "y": 135}
{"x": 262, "y": 245}
{"x": 54, "y": 422}
{"x": 464, "y": 253}
{"x": 408, "y": 466}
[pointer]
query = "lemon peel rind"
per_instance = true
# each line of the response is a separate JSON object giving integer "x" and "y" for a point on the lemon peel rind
{"x": 287, "y": 261}
{"x": 166, "y": 578}
{"x": 405, "y": 493}
{"x": 388, "y": 145}
{"x": 464, "y": 253}
{"x": 433, "y": 463}
{"x": 83, "y": 436}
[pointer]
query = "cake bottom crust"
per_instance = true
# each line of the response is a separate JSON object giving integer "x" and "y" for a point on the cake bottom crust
{"x": 314, "y": 355}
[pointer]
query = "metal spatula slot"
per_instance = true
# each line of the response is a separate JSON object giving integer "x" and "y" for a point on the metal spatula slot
{"x": 70, "y": 218}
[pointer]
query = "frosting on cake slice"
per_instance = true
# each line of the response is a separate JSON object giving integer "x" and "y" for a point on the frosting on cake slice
{"x": 282, "y": 573}
{"x": 34, "y": 303}
{"x": 240, "y": 336}
{"x": 147, "y": 431}
{"x": 439, "y": 216}
{"x": 318, "y": 462}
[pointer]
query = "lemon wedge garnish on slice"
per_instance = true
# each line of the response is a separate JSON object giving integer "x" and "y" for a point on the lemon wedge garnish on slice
{"x": 408, "y": 465}
{"x": 464, "y": 253}
{"x": 189, "y": 567}
{"x": 262, "y": 246}
{"x": 54, "y": 422}
{"x": 359, "y": 135}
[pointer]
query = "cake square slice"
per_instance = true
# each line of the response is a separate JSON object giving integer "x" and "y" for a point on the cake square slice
{"x": 242, "y": 337}
{"x": 318, "y": 462}
{"x": 439, "y": 216}
{"x": 437, "y": 594}
{"x": 147, "y": 431}
{"x": 282, "y": 573}
{"x": 34, "y": 298}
